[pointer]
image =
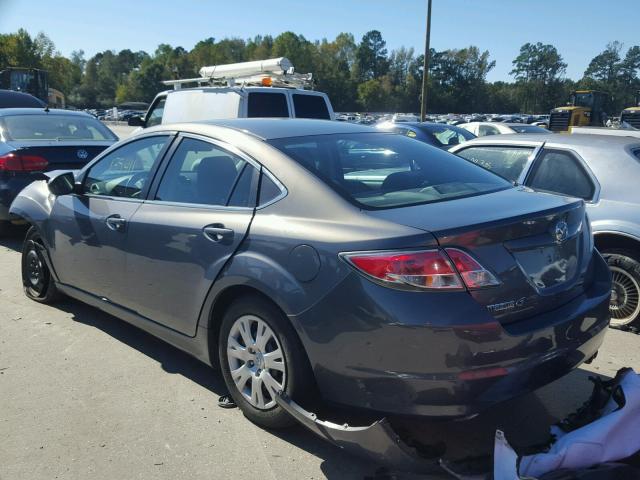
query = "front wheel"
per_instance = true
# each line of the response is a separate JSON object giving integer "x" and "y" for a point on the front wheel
{"x": 625, "y": 288}
{"x": 36, "y": 277}
{"x": 260, "y": 356}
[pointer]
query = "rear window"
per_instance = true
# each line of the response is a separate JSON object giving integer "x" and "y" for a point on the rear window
{"x": 310, "y": 106}
{"x": 508, "y": 162}
{"x": 267, "y": 104}
{"x": 55, "y": 127}
{"x": 446, "y": 135}
{"x": 528, "y": 129}
{"x": 382, "y": 170}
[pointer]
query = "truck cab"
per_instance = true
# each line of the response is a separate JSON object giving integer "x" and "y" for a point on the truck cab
{"x": 242, "y": 90}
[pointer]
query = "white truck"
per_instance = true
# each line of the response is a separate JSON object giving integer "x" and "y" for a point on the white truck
{"x": 265, "y": 88}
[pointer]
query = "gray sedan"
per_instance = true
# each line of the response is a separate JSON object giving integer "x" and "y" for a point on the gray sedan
{"x": 604, "y": 171}
{"x": 324, "y": 260}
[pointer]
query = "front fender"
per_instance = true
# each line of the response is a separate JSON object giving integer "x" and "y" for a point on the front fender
{"x": 33, "y": 204}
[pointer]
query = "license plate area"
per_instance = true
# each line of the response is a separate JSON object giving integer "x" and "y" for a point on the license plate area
{"x": 549, "y": 266}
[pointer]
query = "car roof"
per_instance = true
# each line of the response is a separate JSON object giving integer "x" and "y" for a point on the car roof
{"x": 5, "y": 112}
{"x": 559, "y": 139}
{"x": 21, "y": 99}
{"x": 272, "y": 128}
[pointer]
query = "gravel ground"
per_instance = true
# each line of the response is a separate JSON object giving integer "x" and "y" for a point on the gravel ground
{"x": 85, "y": 395}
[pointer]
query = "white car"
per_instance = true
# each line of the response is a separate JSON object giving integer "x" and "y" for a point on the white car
{"x": 482, "y": 129}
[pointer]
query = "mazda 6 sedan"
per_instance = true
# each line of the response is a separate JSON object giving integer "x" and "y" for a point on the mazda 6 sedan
{"x": 325, "y": 260}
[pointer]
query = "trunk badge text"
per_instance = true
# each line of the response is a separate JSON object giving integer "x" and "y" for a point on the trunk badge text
{"x": 510, "y": 305}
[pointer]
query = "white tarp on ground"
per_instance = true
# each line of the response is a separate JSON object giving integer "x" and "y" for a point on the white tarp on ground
{"x": 613, "y": 436}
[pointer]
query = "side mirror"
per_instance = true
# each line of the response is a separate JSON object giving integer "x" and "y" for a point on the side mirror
{"x": 63, "y": 184}
{"x": 135, "y": 121}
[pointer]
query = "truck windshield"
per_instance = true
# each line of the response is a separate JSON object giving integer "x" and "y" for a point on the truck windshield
{"x": 583, "y": 100}
{"x": 55, "y": 127}
{"x": 383, "y": 170}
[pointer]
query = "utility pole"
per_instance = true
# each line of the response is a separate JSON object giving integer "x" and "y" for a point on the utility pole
{"x": 425, "y": 67}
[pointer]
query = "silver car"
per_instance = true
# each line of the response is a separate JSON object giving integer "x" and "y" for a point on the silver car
{"x": 604, "y": 170}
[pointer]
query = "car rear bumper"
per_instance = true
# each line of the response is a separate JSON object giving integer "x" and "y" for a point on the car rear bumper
{"x": 442, "y": 354}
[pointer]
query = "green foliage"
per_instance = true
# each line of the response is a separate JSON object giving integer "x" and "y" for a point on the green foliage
{"x": 356, "y": 75}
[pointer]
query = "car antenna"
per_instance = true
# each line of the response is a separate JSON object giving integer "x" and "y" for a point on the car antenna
{"x": 46, "y": 108}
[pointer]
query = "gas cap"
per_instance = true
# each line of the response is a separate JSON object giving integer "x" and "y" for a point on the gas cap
{"x": 304, "y": 263}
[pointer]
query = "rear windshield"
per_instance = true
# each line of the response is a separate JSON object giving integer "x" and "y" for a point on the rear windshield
{"x": 447, "y": 135}
{"x": 506, "y": 161}
{"x": 383, "y": 170}
{"x": 310, "y": 106}
{"x": 528, "y": 129}
{"x": 55, "y": 127}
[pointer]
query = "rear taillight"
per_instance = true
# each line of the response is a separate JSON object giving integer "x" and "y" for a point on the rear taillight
{"x": 424, "y": 269}
{"x": 473, "y": 274}
{"x": 17, "y": 162}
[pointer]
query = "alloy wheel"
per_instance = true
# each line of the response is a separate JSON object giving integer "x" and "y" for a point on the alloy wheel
{"x": 625, "y": 297}
{"x": 256, "y": 361}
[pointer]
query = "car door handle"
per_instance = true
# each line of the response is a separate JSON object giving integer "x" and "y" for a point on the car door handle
{"x": 218, "y": 233}
{"x": 115, "y": 223}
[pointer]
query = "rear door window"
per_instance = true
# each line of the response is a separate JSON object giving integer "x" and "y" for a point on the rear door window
{"x": 558, "y": 171}
{"x": 508, "y": 162}
{"x": 203, "y": 173}
{"x": 310, "y": 106}
{"x": 267, "y": 104}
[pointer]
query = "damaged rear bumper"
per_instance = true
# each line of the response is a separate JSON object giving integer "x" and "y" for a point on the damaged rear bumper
{"x": 378, "y": 441}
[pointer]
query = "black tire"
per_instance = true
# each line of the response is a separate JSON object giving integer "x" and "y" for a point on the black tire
{"x": 625, "y": 291}
{"x": 298, "y": 382}
{"x": 5, "y": 228}
{"x": 36, "y": 277}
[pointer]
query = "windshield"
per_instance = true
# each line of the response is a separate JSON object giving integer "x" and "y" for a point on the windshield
{"x": 447, "y": 135}
{"x": 55, "y": 127}
{"x": 382, "y": 170}
{"x": 583, "y": 100}
{"x": 508, "y": 162}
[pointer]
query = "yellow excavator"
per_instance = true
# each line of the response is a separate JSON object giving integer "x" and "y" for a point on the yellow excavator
{"x": 631, "y": 115}
{"x": 585, "y": 109}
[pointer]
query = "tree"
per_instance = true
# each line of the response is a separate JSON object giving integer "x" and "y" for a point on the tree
{"x": 371, "y": 57}
{"x": 537, "y": 70}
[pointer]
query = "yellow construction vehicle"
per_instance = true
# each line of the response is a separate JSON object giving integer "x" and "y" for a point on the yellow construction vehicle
{"x": 631, "y": 115}
{"x": 585, "y": 108}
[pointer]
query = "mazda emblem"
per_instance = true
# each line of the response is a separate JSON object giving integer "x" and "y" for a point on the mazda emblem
{"x": 561, "y": 231}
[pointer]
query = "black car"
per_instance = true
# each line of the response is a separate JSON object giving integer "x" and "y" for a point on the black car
{"x": 11, "y": 99}
{"x": 437, "y": 134}
{"x": 34, "y": 140}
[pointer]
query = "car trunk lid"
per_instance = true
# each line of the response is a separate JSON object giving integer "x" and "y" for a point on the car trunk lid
{"x": 62, "y": 155}
{"x": 536, "y": 244}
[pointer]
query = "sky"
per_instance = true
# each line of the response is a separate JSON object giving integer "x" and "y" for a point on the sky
{"x": 580, "y": 29}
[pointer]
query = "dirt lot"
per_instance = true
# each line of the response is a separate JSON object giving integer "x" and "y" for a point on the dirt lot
{"x": 85, "y": 395}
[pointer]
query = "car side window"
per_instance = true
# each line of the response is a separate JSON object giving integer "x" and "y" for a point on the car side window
{"x": 267, "y": 104}
{"x": 125, "y": 171}
{"x": 508, "y": 162}
{"x": 561, "y": 172}
{"x": 310, "y": 106}
{"x": 205, "y": 174}
{"x": 485, "y": 130}
{"x": 154, "y": 117}
{"x": 268, "y": 190}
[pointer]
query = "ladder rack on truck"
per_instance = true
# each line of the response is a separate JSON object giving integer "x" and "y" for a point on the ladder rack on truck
{"x": 275, "y": 72}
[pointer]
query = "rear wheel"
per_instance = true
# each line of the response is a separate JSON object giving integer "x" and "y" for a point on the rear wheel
{"x": 260, "y": 356}
{"x": 36, "y": 277}
{"x": 5, "y": 226}
{"x": 625, "y": 289}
